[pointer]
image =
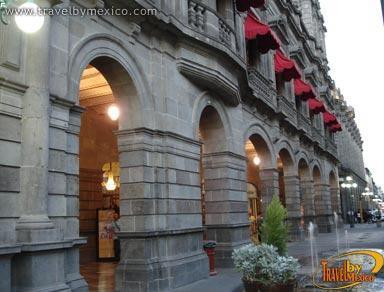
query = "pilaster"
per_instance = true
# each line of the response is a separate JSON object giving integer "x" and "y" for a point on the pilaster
{"x": 292, "y": 200}
{"x": 323, "y": 208}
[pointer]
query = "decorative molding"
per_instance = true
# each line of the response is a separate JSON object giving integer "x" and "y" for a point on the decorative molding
{"x": 211, "y": 79}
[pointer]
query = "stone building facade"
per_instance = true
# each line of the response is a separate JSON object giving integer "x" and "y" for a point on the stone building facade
{"x": 193, "y": 115}
{"x": 350, "y": 152}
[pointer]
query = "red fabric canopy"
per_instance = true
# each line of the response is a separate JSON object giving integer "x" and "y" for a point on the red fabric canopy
{"x": 316, "y": 106}
{"x": 286, "y": 67}
{"x": 303, "y": 90}
{"x": 244, "y": 5}
{"x": 336, "y": 128}
{"x": 329, "y": 118}
{"x": 262, "y": 33}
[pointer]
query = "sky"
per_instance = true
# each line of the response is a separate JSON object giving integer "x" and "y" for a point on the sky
{"x": 355, "y": 49}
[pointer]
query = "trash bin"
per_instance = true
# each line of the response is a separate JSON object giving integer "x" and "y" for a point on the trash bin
{"x": 209, "y": 247}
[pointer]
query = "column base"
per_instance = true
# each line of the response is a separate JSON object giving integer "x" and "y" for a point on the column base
{"x": 161, "y": 276}
{"x": 76, "y": 283}
{"x": 325, "y": 223}
{"x": 39, "y": 271}
{"x": 160, "y": 261}
{"x": 228, "y": 238}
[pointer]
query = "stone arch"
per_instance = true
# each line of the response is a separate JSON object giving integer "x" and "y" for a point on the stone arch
{"x": 303, "y": 169}
{"x": 316, "y": 172}
{"x": 303, "y": 157}
{"x": 116, "y": 55}
{"x": 204, "y": 102}
{"x": 284, "y": 151}
{"x": 260, "y": 139}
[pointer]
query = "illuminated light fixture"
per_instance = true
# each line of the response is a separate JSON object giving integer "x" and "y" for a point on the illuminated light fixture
{"x": 113, "y": 112}
{"x": 343, "y": 185}
{"x": 354, "y": 185}
{"x": 111, "y": 176}
{"x": 348, "y": 178}
{"x": 32, "y": 20}
{"x": 110, "y": 185}
{"x": 256, "y": 160}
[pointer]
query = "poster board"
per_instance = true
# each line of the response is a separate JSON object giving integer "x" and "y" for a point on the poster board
{"x": 105, "y": 234}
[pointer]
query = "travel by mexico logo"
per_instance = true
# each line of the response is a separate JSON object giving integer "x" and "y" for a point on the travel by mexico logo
{"x": 348, "y": 269}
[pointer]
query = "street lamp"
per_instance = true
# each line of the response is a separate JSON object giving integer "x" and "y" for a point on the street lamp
{"x": 32, "y": 20}
{"x": 349, "y": 185}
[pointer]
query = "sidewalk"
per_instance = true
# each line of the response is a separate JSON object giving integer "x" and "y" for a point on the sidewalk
{"x": 227, "y": 280}
{"x": 362, "y": 236}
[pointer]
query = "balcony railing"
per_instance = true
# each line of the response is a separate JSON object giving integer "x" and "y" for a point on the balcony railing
{"x": 331, "y": 147}
{"x": 317, "y": 137}
{"x": 262, "y": 88}
{"x": 304, "y": 124}
{"x": 287, "y": 109}
{"x": 207, "y": 21}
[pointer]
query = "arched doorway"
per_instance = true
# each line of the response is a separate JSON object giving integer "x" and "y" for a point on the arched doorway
{"x": 99, "y": 175}
{"x": 289, "y": 192}
{"x": 212, "y": 137}
{"x": 223, "y": 187}
{"x": 285, "y": 169}
{"x": 110, "y": 101}
{"x": 258, "y": 163}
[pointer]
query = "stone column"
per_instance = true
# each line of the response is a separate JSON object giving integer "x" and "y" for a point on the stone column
{"x": 35, "y": 132}
{"x": 335, "y": 200}
{"x": 40, "y": 265}
{"x": 269, "y": 186}
{"x": 292, "y": 200}
{"x": 323, "y": 208}
{"x": 226, "y": 204}
{"x": 160, "y": 206}
{"x": 307, "y": 191}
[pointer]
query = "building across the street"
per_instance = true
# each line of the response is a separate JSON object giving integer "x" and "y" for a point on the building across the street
{"x": 182, "y": 123}
{"x": 350, "y": 154}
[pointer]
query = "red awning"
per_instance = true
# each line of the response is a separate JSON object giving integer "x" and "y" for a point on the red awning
{"x": 244, "y": 5}
{"x": 262, "y": 33}
{"x": 303, "y": 90}
{"x": 336, "y": 128}
{"x": 286, "y": 67}
{"x": 316, "y": 106}
{"x": 329, "y": 118}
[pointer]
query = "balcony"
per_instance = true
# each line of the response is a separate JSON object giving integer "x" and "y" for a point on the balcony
{"x": 331, "y": 147}
{"x": 262, "y": 88}
{"x": 304, "y": 124}
{"x": 194, "y": 19}
{"x": 207, "y": 22}
{"x": 318, "y": 137}
{"x": 287, "y": 110}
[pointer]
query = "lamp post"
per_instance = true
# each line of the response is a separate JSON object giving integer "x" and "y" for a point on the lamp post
{"x": 348, "y": 185}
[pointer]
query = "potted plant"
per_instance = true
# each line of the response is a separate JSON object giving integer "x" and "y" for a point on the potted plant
{"x": 273, "y": 229}
{"x": 286, "y": 281}
{"x": 264, "y": 270}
